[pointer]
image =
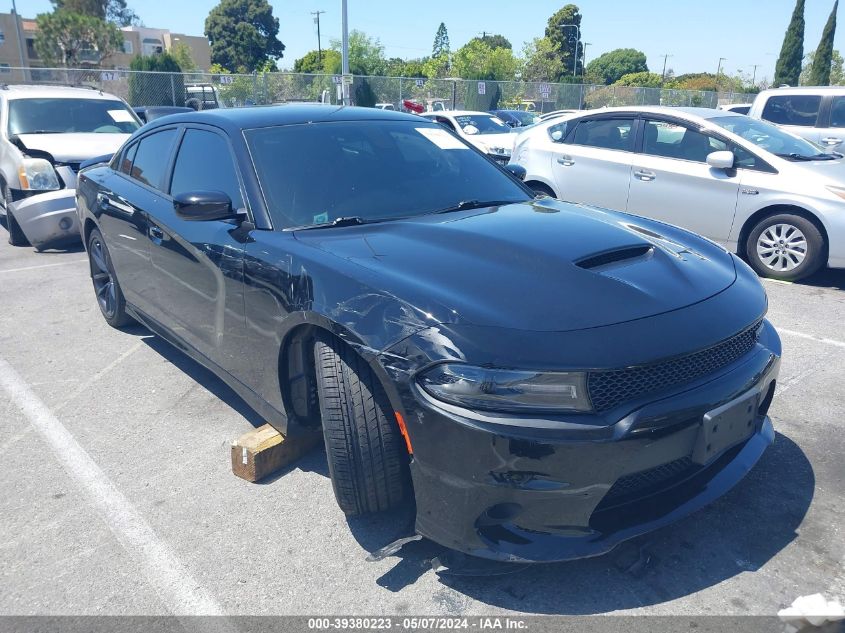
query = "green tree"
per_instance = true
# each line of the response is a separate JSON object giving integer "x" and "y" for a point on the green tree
{"x": 565, "y": 38}
{"x": 820, "y": 73}
{"x": 314, "y": 62}
{"x": 366, "y": 55}
{"x": 161, "y": 84}
{"x": 788, "y": 67}
{"x": 114, "y": 11}
{"x": 181, "y": 53}
{"x": 69, "y": 39}
{"x": 495, "y": 41}
{"x": 243, "y": 34}
{"x": 397, "y": 67}
{"x": 477, "y": 60}
{"x": 541, "y": 61}
{"x": 642, "y": 79}
{"x": 612, "y": 66}
{"x": 837, "y": 69}
{"x": 362, "y": 93}
{"x": 441, "y": 42}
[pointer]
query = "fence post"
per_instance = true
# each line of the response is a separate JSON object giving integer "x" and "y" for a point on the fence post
{"x": 254, "y": 87}
{"x": 400, "y": 95}
{"x": 266, "y": 91}
{"x": 172, "y": 89}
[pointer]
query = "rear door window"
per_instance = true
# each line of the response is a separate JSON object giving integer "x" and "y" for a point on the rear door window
{"x": 837, "y": 112}
{"x": 151, "y": 158}
{"x": 801, "y": 110}
{"x": 606, "y": 133}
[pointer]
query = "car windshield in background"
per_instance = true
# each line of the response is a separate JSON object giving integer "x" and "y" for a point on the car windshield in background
{"x": 525, "y": 118}
{"x": 772, "y": 139}
{"x": 370, "y": 172}
{"x": 68, "y": 116}
{"x": 478, "y": 124}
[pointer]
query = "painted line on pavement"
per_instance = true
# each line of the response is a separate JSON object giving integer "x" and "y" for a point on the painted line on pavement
{"x": 811, "y": 337}
{"x": 86, "y": 385}
{"x": 174, "y": 585}
{"x": 17, "y": 270}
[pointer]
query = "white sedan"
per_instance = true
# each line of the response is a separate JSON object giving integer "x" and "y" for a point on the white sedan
{"x": 772, "y": 197}
{"x": 487, "y": 132}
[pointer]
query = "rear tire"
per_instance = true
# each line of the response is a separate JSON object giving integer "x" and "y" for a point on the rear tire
{"x": 106, "y": 288}
{"x": 785, "y": 246}
{"x": 368, "y": 463}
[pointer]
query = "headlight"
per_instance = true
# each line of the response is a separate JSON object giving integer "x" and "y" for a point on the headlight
{"x": 837, "y": 191}
{"x": 37, "y": 174}
{"x": 500, "y": 151}
{"x": 506, "y": 390}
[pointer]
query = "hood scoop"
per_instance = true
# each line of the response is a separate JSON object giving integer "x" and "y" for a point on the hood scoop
{"x": 614, "y": 257}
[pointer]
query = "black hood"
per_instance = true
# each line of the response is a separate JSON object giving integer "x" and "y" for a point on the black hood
{"x": 541, "y": 266}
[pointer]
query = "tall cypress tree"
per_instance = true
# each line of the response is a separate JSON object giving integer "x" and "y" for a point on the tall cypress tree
{"x": 820, "y": 72}
{"x": 788, "y": 67}
{"x": 441, "y": 42}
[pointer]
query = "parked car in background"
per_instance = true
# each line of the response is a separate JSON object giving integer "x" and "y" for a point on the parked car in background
{"x": 763, "y": 193}
{"x": 543, "y": 380}
{"x": 554, "y": 114}
{"x": 487, "y": 132}
{"x": 516, "y": 118}
{"x": 739, "y": 108}
{"x": 45, "y": 133}
{"x": 385, "y": 106}
{"x": 203, "y": 97}
{"x": 151, "y": 113}
{"x": 814, "y": 113}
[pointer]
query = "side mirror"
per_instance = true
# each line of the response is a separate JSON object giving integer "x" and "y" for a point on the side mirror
{"x": 203, "y": 206}
{"x": 517, "y": 170}
{"x": 721, "y": 160}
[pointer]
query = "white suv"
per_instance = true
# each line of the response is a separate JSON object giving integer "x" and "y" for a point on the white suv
{"x": 814, "y": 113}
{"x": 46, "y": 132}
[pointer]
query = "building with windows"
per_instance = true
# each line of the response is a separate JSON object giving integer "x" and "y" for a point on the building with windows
{"x": 137, "y": 40}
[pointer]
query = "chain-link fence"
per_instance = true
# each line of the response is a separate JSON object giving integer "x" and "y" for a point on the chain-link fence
{"x": 205, "y": 90}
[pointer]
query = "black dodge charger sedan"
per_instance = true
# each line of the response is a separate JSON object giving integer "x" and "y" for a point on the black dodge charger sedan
{"x": 543, "y": 380}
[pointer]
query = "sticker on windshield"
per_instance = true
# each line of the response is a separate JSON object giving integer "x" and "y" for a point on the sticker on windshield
{"x": 321, "y": 218}
{"x": 120, "y": 116}
{"x": 441, "y": 138}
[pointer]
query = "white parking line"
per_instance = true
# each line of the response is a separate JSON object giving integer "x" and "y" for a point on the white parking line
{"x": 811, "y": 337}
{"x": 17, "y": 270}
{"x": 172, "y": 582}
{"x": 85, "y": 386}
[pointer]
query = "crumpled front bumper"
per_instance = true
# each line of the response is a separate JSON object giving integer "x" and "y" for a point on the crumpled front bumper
{"x": 525, "y": 494}
{"x": 48, "y": 219}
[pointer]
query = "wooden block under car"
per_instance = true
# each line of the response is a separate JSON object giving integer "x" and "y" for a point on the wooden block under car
{"x": 264, "y": 450}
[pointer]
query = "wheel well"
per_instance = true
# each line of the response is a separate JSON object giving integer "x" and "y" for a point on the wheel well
{"x": 536, "y": 184}
{"x": 298, "y": 376}
{"x": 86, "y": 231}
{"x": 751, "y": 222}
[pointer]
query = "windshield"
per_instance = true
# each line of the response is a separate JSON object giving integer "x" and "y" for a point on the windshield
{"x": 771, "y": 138}
{"x": 371, "y": 170}
{"x": 525, "y": 118}
{"x": 67, "y": 116}
{"x": 481, "y": 124}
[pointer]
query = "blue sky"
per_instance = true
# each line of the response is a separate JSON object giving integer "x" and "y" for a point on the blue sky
{"x": 695, "y": 33}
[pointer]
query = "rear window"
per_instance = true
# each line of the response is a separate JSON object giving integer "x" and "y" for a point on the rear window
{"x": 801, "y": 110}
{"x": 69, "y": 116}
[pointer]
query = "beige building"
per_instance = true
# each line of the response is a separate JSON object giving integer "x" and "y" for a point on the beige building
{"x": 137, "y": 40}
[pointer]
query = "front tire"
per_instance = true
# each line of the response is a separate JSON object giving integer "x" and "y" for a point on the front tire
{"x": 785, "y": 246}
{"x": 106, "y": 288}
{"x": 367, "y": 462}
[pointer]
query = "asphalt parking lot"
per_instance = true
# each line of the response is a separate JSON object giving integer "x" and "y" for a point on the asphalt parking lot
{"x": 118, "y": 496}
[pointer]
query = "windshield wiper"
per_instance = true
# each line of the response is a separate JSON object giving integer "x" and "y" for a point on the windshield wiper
{"x": 465, "y": 205}
{"x": 42, "y": 132}
{"x": 801, "y": 157}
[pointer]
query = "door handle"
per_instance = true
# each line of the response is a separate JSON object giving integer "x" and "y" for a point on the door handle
{"x": 106, "y": 201}
{"x": 644, "y": 175}
{"x": 566, "y": 160}
{"x": 156, "y": 233}
{"x": 831, "y": 140}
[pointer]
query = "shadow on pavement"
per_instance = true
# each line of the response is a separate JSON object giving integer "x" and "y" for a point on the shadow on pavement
{"x": 826, "y": 278}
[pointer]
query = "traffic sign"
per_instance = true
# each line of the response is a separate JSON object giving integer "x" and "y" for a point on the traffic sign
{"x": 482, "y": 88}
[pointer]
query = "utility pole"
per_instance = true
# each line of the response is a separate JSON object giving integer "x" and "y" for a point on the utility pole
{"x": 666, "y": 57}
{"x": 345, "y": 52}
{"x": 719, "y": 68}
{"x": 20, "y": 41}
{"x": 316, "y": 15}
{"x": 584, "y": 46}
{"x": 754, "y": 75}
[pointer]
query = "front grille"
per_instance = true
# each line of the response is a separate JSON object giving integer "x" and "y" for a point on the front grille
{"x": 645, "y": 481}
{"x": 613, "y": 387}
